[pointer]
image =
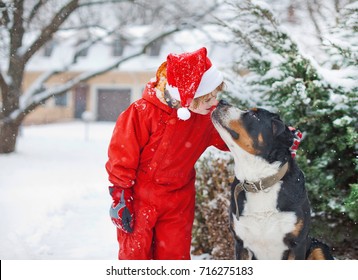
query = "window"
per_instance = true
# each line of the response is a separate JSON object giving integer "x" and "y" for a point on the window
{"x": 82, "y": 51}
{"x": 117, "y": 47}
{"x": 61, "y": 100}
{"x": 48, "y": 49}
{"x": 154, "y": 48}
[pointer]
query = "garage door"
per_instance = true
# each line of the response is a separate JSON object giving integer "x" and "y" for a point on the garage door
{"x": 112, "y": 102}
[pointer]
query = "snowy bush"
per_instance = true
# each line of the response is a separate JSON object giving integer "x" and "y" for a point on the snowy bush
{"x": 211, "y": 234}
{"x": 351, "y": 203}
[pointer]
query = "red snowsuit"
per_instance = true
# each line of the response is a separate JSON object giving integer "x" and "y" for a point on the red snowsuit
{"x": 154, "y": 152}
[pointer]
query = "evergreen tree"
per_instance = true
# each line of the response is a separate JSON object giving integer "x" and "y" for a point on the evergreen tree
{"x": 318, "y": 98}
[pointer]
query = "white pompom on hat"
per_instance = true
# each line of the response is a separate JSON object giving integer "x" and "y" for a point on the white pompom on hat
{"x": 190, "y": 75}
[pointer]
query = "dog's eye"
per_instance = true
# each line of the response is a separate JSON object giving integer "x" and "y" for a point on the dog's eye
{"x": 233, "y": 133}
{"x": 253, "y": 114}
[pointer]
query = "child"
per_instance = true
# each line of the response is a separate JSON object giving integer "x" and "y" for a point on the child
{"x": 152, "y": 153}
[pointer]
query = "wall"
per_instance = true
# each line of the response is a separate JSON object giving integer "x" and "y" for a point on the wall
{"x": 114, "y": 80}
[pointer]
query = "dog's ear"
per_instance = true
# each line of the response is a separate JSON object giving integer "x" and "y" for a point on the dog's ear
{"x": 278, "y": 126}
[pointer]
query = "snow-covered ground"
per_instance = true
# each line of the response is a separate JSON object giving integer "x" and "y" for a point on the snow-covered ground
{"x": 54, "y": 198}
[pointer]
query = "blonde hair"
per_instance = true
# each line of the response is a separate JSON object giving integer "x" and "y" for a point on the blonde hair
{"x": 197, "y": 101}
{"x": 161, "y": 81}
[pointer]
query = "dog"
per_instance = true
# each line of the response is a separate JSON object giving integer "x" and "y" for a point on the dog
{"x": 269, "y": 209}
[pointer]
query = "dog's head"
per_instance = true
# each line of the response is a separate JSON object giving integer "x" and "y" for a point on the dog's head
{"x": 256, "y": 131}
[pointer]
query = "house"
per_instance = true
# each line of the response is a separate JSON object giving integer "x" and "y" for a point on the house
{"x": 103, "y": 97}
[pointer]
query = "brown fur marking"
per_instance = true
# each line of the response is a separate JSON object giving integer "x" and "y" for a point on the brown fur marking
{"x": 260, "y": 139}
{"x": 291, "y": 256}
{"x": 316, "y": 254}
{"x": 244, "y": 141}
{"x": 298, "y": 228}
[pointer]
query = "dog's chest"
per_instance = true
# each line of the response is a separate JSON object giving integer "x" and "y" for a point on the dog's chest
{"x": 262, "y": 227}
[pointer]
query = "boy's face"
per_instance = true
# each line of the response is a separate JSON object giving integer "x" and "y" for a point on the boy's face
{"x": 206, "y": 104}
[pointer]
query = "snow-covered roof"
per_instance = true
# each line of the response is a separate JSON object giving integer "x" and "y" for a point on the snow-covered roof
{"x": 101, "y": 54}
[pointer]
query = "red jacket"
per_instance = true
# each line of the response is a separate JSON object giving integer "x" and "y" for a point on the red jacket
{"x": 150, "y": 141}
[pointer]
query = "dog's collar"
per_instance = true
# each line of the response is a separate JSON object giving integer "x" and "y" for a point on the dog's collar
{"x": 258, "y": 185}
{"x": 263, "y": 183}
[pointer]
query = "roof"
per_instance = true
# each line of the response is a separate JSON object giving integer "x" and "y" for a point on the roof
{"x": 101, "y": 54}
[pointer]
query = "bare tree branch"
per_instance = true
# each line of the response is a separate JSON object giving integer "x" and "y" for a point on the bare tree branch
{"x": 57, "y": 21}
{"x": 83, "y": 27}
{"x": 17, "y": 30}
{"x": 37, "y": 86}
{"x": 4, "y": 89}
{"x": 51, "y": 28}
{"x": 35, "y": 9}
{"x": 16, "y": 65}
{"x": 311, "y": 12}
{"x": 41, "y": 96}
{"x": 4, "y": 19}
{"x": 83, "y": 4}
{"x": 240, "y": 34}
{"x": 16, "y": 105}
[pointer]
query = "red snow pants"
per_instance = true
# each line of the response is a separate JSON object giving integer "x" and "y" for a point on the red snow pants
{"x": 163, "y": 221}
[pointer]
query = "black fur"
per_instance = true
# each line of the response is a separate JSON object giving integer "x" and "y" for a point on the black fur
{"x": 271, "y": 140}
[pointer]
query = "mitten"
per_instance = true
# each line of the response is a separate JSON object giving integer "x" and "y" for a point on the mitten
{"x": 296, "y": 140}
{"x": 121, "y": 211}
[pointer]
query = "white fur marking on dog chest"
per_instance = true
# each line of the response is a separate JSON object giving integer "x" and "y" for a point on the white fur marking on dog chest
{"x": 262, "y": 227}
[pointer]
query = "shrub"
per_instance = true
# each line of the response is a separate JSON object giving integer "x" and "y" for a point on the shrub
{"x": 211, "y": 234}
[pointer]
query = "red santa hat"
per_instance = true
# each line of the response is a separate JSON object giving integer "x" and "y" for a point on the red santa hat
{"x": 190, "y": 75}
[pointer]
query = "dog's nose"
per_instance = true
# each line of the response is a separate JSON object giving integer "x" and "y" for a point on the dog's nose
{"x": 223, "y": 102}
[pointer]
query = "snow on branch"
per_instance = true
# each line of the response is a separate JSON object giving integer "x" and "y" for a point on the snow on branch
{"x": 38, "y": 94}
{"x": 46, "y": 34}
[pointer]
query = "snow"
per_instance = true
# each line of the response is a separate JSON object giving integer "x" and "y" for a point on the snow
{"x": 54, "y": 198}
{"x": 100, "y": 54}
{"x": 339, "y": 78}
{"x": 343, "y": 121}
